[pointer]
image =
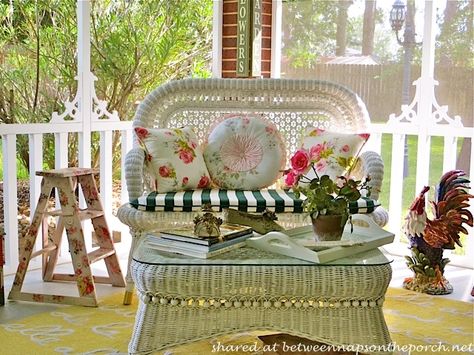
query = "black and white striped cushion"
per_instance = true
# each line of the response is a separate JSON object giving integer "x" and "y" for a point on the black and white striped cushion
{"x": 250, "y": 201}
{"x": 363, "y": 205}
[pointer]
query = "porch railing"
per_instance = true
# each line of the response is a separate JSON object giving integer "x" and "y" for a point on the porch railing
{"x": 399, "y": 131}
{"x": 35, "y": 132}
{"x": 61, "y": 131}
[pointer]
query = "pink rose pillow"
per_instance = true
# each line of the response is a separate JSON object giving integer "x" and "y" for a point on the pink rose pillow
{"x": 245, "y": 152}
{"x": 173, "y": 159}
{"x": 333, "y": 153}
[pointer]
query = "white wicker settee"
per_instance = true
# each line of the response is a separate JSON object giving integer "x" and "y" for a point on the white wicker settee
{"x": 290, "y": 104}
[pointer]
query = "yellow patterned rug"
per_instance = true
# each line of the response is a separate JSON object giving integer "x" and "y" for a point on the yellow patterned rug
{"x": 417, "y": 321}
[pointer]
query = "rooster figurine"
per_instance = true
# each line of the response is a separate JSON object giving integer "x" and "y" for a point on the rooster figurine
{"x": 428, "y": 238}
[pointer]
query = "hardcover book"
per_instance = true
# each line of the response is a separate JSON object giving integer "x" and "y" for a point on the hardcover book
{"x": 186, "y": 234}
{"x": 196, "y": 250}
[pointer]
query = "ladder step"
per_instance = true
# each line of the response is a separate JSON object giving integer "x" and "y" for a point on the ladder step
{"x": 72, "y": 277}
{"x": 83, "y": 214}
{"x": 35, "y": 297}
{"x": 99, "y": 254}
{"x": 47, "y": 249}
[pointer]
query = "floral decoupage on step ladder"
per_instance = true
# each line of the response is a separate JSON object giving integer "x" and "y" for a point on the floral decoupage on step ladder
{"x": 70, "y": 216}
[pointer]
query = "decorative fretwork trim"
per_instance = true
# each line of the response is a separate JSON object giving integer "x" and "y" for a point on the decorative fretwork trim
{"x": 99, "y": 107}
{"x": 409, "y": 113}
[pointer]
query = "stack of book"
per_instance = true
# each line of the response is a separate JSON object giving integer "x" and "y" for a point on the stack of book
{"x": 183, "y": 241}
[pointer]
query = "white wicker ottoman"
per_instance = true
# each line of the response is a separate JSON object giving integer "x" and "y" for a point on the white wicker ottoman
{"x": 184, "y": 299}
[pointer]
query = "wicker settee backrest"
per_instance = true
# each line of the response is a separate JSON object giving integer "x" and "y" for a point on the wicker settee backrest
{"x": 290, "y": 104}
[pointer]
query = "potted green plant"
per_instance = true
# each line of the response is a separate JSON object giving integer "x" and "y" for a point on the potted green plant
{"x": 326, "y": 200}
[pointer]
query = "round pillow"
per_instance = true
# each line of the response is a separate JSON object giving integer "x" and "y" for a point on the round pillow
{"x": 245, "y": 153}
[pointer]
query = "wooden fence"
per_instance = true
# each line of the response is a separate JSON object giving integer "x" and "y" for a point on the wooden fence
{"x": 380, "y": 86}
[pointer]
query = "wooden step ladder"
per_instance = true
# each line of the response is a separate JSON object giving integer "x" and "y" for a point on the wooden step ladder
{"x": 70, "y": 216}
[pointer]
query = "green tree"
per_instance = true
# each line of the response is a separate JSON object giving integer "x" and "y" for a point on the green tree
{"x": 309, "y": 31}
{"x": 456, "y": 39}
{"x": 136, "y": 46}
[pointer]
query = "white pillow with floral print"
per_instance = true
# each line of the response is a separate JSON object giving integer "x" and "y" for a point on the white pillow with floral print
{"x": 245, "y": 152}
{"x": 333, "y": 153}
{"x": 173, "y": 159}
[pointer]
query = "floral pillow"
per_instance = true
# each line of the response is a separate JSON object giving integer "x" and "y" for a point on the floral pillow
{"x": 173, "y": 159}
{"x": 333, "y": 153}
{"x": 245, "y": 152}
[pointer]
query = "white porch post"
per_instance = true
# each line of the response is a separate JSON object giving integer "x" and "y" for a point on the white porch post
{"x": 10, "y": 199}
{"x": 275, "y": 70}
{"x": 424, "y": 112}
{"x": 426, "y": 84}
{"x": 217, "y": 38}
{"x": 85, "y": 82}
{"x": 418, "y": 114}
{"x": 86, "y": 108}
{"x": 92, "y": 110}
{"x": 84, "y": 104}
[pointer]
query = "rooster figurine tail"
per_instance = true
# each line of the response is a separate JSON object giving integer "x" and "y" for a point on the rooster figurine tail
{"x": 428, "y": 238}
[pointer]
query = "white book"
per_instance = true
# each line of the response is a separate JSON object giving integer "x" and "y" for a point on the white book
{"x": 201, "y": 254}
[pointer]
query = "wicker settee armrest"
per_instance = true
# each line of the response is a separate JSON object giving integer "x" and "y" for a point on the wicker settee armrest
{"x": 134, "y": 174}
{"x": 370, "y": 164}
